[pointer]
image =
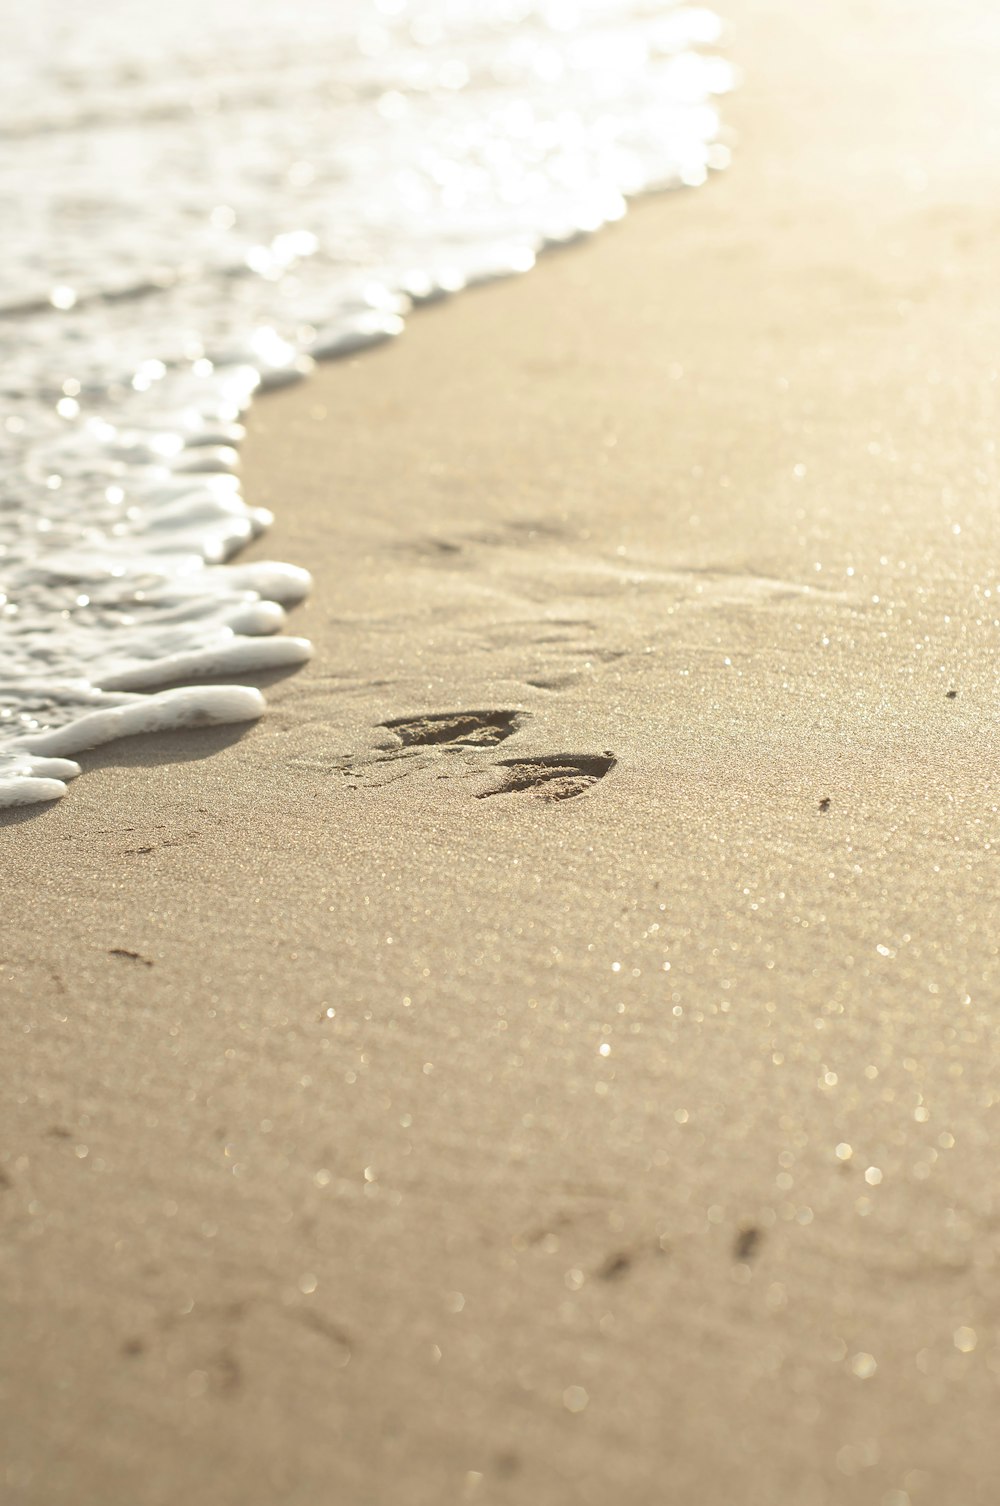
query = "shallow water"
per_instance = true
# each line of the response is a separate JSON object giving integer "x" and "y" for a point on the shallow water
{"x": 201, "y": 201}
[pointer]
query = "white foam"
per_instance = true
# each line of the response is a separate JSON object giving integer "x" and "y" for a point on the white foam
{"x": 191, "y": 706}
{"x": 210, "y": 198}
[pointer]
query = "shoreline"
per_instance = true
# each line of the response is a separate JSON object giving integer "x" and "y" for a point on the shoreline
{"x": 320, "y": 1179}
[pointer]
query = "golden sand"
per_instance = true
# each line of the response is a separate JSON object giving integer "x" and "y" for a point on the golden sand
{"x": 369, "y": 1143}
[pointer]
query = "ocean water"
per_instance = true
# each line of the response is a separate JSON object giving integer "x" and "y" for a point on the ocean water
{"x": 201, "y": 200}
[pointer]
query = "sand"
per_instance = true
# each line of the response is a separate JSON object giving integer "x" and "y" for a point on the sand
{"x": 369, "y": 1142}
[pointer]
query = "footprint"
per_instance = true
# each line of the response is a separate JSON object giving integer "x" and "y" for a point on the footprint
{"x": 560, "y": 776}
{"x": 462, "y": 729}
{"x": 435, "y": 740}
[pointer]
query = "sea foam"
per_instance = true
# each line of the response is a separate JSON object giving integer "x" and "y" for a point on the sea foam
{"x": 202, "y": 201}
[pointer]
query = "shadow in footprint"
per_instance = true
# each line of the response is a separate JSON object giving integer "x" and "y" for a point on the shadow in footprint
{"x": 462, "y": 729}
{"x": 560, "y": 776}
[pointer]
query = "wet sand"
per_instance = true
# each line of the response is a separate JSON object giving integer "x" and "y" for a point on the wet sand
{"x": 366, "y": 1141}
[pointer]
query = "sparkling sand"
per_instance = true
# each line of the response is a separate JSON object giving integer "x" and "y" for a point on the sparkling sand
{"x": 369, "y": 1142}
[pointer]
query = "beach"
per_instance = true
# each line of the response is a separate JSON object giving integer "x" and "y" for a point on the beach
{"x": 377, "y": 1133}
